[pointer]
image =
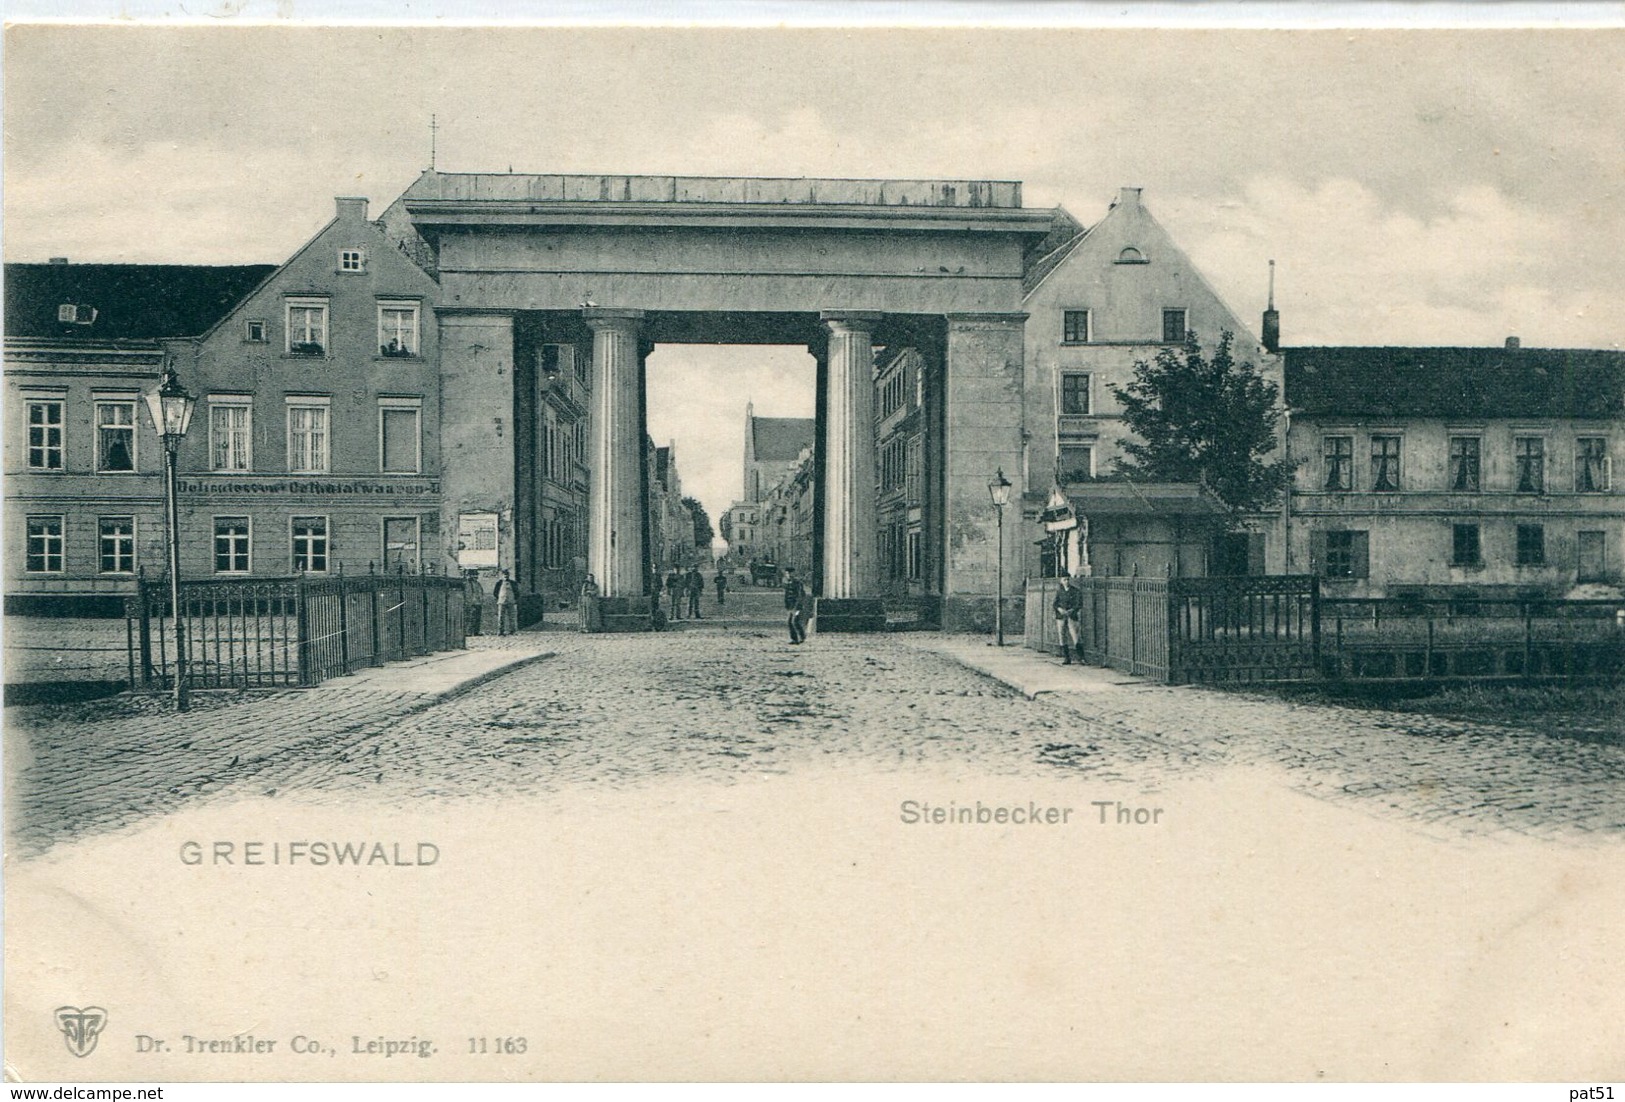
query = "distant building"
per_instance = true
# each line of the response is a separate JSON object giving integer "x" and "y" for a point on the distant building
{"x": 773, "y": 445}
{"x": 1456, "y": 471}
{"x": 899, "y": 467}
{"x": 83, "y": 465}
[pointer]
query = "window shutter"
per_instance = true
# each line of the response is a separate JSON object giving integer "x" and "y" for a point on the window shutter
{"x": 1360, "y": 554}
{"x": 1317, "y": 553}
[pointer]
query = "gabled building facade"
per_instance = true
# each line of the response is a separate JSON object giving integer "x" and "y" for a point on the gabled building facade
{"x": 316, "y": 443}
{"x": 1096, "y": 304}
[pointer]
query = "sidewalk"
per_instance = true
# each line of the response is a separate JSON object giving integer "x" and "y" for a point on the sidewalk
{"x": 1026, "y": 671}
{"x": 445, "y": 674}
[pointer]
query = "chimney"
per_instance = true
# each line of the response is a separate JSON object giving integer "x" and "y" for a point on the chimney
{"x": 351, "y": 206}
{"x": 59, "y": 260}
{"x": 1513, "y": 342}
{"x": 1127, "y": 197}
{"x": 1272, "y": 319}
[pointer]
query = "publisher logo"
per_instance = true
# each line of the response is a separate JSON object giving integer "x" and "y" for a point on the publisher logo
{"x": 80, "y": 1027}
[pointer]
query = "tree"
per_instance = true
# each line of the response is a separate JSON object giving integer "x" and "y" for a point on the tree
{"x": 702, "y": 522}
{"x": 1207, "y": 420}
{"x": 725, "y": 525}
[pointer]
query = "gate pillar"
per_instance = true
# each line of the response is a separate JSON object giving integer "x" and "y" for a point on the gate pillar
{"x": 849, "y": 543}
{"x": 615, "y": 446}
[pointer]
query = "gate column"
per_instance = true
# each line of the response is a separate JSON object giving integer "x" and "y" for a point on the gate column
{"x": 849, "y": 456}
{"x": 615, "y": 436}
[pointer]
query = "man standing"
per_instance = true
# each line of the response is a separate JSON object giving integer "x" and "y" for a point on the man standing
{"x": 695, "y": 585}
{"x": 795, "y": 598}
{"x": 473, "y": 602}
{"x": 674, "y": 591}
{"x": 1068, "y": 606}
{"x": 507, "y": 598}
{"x": 722, "y": 587}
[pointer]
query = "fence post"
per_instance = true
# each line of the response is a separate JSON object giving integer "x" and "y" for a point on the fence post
{"x": 1529, "y": 643}
{"x": 302, "y": 646}
{"x": 146, "y": 629}
{"x": 344, "y": 621}
{"x": 400, "y": 607}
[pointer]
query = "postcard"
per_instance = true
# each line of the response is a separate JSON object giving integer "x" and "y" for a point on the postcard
{"x": 565, "y": 553}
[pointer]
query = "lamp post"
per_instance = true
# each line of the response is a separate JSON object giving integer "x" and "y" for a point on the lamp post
{"x": 999, "y": 491}
{"x": 171, "y": 409}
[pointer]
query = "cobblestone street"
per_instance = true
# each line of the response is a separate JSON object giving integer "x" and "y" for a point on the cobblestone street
{"x": 714, "y": 703}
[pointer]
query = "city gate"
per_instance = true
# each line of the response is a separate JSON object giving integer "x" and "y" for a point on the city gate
{"x": 613, "y": 265}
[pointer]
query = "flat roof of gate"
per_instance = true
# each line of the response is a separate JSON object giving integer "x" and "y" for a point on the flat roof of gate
{"x": 522, "y": 187}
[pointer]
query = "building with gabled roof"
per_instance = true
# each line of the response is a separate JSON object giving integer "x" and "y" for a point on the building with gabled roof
{"x": 773, "y": 445}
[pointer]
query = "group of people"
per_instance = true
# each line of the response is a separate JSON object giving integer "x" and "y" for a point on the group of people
{"x": 506, "y": 596}
{"x": 685, "y": 590}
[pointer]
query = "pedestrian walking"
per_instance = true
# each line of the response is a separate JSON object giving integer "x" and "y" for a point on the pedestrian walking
{"x": 507, "y": 598}
{"x": 473, "y": 602}
{"x": 674, "y": 592}
{"x": 722, "y": 587}
{"x": 695, "y": 585}
{"x": 795, "y": 600}
{"x": 589, "y": 604}
{"x": 1068, "y": 606}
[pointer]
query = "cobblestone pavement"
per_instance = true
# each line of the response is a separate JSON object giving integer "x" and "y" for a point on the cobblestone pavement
{"x": 708, "y": 703}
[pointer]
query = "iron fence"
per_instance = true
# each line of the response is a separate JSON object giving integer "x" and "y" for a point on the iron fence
{"x": 288, "y": 632}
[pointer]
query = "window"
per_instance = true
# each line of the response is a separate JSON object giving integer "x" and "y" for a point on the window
{"x": 914, "y": 554}
{"x": 116, "y": 545}
{"x": 1384, "y": 464}
{"x": 231, "y": 545}
{"x": 1338, "y": 452}
{"x": 44, "y": 552}
{"x": 352, "y": 260}
{"x": 1591, "y": 465}
{"x": 230, "y": 435}
{"x": 554, "y": 361}
{"x": 1131, "y": 255}
{"x": 400, "y": 544}
{"x": 309, "y": 545}
{"x": 1173, "y": 326}
{"x": 1074, "y": 394}
{"x": 1464, "y": 464}
{"x": 307, "y": 327}
{"x": 1529, "y": 454}
{"x": 1341, "y": 553}
{"x": 398, "y": 436}
{"x": 254, "y": 331}
{"x": 1593, "y": 557}
{"x": 1531, "y": 545}
{"x": 1464, "y": 545}
{"x": 307, "y": 438}
{"x": 1075, "y": 327}
{"x": 115, "y": 436}
{"x": 67, "y": 312}
{"x": 1077, "y": 463}
{"x": 398, "y": 329}
{"x": 45, "y": 434}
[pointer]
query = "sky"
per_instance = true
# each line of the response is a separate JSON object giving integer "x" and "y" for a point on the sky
{"x": 1414, "y": 187}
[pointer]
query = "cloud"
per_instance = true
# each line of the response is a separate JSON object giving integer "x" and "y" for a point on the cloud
{"x": 1355, "y": 267}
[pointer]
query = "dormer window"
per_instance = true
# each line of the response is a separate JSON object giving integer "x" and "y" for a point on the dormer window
{"x": 352, "y": 260}
{"x": 69, "y": 313}
{"x": 1131, "y": 255}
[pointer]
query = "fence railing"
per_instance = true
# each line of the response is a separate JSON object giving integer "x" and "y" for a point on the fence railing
{"x": 286, "y": 632}
{"x": 1280, "y": 628}
{"x": 1406, "y": 638}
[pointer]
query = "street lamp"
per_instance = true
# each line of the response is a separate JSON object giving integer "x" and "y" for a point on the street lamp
{"x": 171, "y": 409}
{"x": 999, "y": 491}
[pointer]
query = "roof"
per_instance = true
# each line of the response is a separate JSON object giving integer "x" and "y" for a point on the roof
{"x": 780, "y": 439}
{"x": 597, "y": 188}
{"x": 1455, "y": 382}
{"x": 1142, "y": 499}
{"x": 126, "y": 301}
